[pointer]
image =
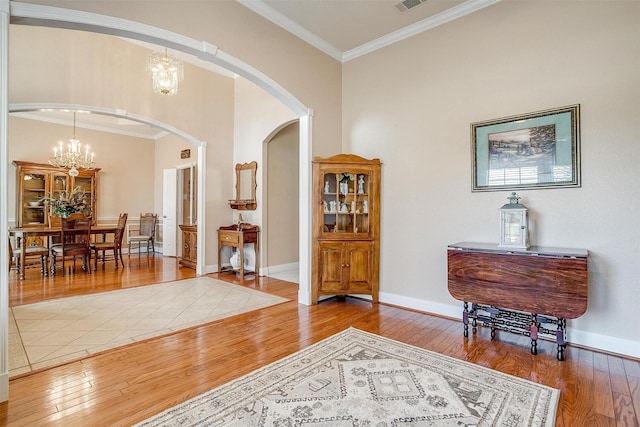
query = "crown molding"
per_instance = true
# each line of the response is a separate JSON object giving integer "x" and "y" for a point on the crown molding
{"x": 291, "y": 26}
{"x": 261, "y": 8}
{"x": 448, "y": 15}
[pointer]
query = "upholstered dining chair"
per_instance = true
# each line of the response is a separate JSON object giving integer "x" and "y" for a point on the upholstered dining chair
{"x": 115, "y": 246}
{"x": 75, "y": 242}
{"x": 31, "y": 253}
{"x": 146, "y": 233}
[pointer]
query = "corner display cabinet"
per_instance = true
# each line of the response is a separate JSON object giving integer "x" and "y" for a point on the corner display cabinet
{"x": 346, "y": 226}
{"x": 34, "y": 181}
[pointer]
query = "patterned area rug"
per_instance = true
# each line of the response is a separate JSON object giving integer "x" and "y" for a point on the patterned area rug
{"x": 355, "y": 378}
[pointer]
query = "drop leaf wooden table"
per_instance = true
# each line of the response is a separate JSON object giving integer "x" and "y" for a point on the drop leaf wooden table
{"x": 530, "y": 291}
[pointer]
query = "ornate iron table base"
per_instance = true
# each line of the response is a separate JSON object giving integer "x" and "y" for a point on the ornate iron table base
{"x": 527, "y": 324}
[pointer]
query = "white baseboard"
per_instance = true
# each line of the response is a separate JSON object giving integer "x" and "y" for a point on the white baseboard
{"x": 574, "y": 336}
{"x": 274, "y": 269}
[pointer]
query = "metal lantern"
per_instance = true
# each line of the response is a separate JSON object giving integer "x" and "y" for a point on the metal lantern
{"x": 514, "y": 224}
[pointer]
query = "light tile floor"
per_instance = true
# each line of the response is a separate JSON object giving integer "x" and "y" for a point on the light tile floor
{"x": 56, "y": 331}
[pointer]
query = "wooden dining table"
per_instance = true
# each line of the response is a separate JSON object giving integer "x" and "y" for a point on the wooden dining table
{"x": 23, "y": 233}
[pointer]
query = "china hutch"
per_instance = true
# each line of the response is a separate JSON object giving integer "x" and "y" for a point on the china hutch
{"x": 346, "y": 226}
{"x": 34, "y": 181}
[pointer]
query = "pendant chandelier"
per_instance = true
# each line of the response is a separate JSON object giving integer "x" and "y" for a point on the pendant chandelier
{"x": 72, "y": 158}
{"x": 165, "y": 71}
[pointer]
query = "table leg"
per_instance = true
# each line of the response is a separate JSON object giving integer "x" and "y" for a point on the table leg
{"x": 561, "y": 337}
{"x": 465, "y": 319}
{"x": 533, "y": 333}
{"x": 23, "y": 254}
{"x": 241, "y": 249}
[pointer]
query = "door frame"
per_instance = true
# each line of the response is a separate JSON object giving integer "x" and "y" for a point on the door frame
{"x": 47, "y": 16}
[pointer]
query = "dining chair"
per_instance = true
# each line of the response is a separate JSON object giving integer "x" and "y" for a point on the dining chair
{"x": 146, "y": 233}
{"x": 32, "y": 252}
{"x": 75, "y": 241}
{"x": 115, "y": 246}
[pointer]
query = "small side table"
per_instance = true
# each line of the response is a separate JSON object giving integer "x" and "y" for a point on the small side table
{"x": 237, "y": 236}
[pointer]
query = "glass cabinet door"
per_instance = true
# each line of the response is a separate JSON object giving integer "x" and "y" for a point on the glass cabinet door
{"x": 346, "y": 202}
{"x": 59, "y": 183}
{"x": 86, "y": 185}
{"x": 33, "y": 191}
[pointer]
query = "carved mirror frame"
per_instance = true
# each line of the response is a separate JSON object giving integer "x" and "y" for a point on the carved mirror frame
{"x": 245, "y": 187}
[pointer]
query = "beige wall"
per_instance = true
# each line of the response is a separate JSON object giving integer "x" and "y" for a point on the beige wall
{"x": 507, "y": 59}
{"x": 75, "y": 67}
{"x": 282, "y": 197}
{"x": 310, "y": 75}
{"x": 411, "y": 104}
{"x": 126, "y": 177}
{"x": 257, "y": 115}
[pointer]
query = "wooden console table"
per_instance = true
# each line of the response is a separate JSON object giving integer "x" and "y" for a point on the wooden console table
{"x": 529, "y": 291}
{"x": 237, "y": 237}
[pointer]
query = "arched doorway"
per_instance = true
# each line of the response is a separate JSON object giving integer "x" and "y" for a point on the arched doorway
{"x": 38, "y": 15}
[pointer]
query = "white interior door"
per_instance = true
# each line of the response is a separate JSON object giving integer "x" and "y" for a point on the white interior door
{"x": 169, "y": 212}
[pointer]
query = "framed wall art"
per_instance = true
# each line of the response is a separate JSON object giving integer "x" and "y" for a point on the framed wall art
{"x": 528, "y": 151}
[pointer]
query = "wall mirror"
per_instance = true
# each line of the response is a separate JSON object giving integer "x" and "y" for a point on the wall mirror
{"x": 245, "y": 187}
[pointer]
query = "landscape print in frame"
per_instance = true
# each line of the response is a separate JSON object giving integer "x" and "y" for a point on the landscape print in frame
{"x": 528, "y": 151}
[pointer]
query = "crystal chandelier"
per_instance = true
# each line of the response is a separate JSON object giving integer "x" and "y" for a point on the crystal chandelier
{"x": 73, "y": 157}
{"x": 165, "y": 71}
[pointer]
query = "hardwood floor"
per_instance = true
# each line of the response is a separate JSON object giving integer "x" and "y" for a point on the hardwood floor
{"x": 127, "y": 385}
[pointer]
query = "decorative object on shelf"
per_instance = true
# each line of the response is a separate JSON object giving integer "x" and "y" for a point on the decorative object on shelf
{"x": 361, "y": 184}
{"x": 73, "y": 158}
{"x": 535, "y": 150}
{"x": 235, "y": 260}
{"x": 65, "y": 203}
{"x": 365, "y": 206}
{"x": 326, "y": 187}
{"x": 514, "y": 224}
{"x": 344, "y": 179}
{"x": 166, "y": 72}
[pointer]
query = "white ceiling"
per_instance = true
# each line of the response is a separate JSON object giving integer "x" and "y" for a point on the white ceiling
{"x": 343, "y": 29}
{"x": 346, "y": 29}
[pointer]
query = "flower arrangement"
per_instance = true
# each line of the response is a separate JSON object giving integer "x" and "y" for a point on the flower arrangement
{"x": 65, "y": 203}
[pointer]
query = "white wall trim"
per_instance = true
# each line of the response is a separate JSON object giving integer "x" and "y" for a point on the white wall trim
{"x": 291, "y": 26}
{"x": 4, "y": 195}
{"x": 574, "y": 336}
{"x": 275, "y": 269}
{"x": 448, "y": 15}
{"x": 48, "y": 16}
{"x": 113, "y": 112}
{"x": 39, "y": 15}
{"x": 294, "y": 28}
{"x": 305, "y": 212}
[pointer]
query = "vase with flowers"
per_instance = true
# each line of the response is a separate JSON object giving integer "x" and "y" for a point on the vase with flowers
{"x": 65, "y": 203}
